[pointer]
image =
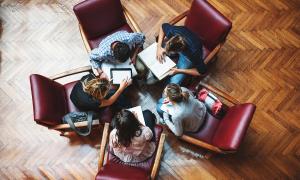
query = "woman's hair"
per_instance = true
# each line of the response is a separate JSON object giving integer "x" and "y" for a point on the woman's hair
{"x": 175, "y": 44}
{"x": 98, "y": 88}
{"x": 127, "y": 127}
{"x": 174, "y": 93}
{"x": 121, "y": 51}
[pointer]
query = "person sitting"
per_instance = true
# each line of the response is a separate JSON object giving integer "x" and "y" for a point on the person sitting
{"x": 117, "y": 48}
{"x": 131, "y": 141}
{"x": 92, "y": 93}
{"x": 189, "y": 47}
{"x": 182, "y": 112}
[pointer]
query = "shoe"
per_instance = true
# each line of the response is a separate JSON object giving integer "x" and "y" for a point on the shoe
{"x": 162, "y": 121}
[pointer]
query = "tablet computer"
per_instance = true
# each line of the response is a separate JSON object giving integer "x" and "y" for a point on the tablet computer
{"x": 118, "y": 74}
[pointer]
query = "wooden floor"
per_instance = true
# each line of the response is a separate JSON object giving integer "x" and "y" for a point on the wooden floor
{"x": 259, "y": 63}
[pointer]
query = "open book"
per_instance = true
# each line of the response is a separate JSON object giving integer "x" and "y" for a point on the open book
{"x": 148, "y": 57}
{"x": 139, "y": 113}
{"x": 106, "y": 66}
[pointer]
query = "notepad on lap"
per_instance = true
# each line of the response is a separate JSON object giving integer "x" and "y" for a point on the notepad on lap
{"x": 148, "y": 57}
{"x": 106, "y": 66}
{"x": 138, "y": 111}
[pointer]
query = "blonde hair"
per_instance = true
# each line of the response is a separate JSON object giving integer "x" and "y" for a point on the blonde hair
{"x": 98, "y": 88}
{"x": 174, "y": 93}
{"x": 176, "y": 44}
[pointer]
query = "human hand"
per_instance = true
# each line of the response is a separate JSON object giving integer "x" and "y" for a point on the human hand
{"x": 125, "y": 83}
{"x": 173, "y": 71}
{"x": 160, "y": 54}
{"x": 133, "y": 60}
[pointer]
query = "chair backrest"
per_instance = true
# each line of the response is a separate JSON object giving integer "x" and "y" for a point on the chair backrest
{"x": 99, "y": 17}
{"x": 208, "y": 23}
{"x": 48, "y": 99}
{"x": 232, "y": 128}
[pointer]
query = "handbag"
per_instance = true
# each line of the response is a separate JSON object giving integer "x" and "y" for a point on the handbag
{"x": 74, "y": 117}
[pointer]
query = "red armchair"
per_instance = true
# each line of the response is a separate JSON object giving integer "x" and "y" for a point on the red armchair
{"x": 51, "y": 101}
{"x": 100, "y": 18}
{"x": 223, "y": 135}
{"x": 115, "y": 169}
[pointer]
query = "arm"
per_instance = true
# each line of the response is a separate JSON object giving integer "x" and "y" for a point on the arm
{"x": 192, "y": 71}
{"x": 160, "y": 52}
{"x": 137, "y": 41}
{"x": 107, "y": 102}
{"x": 175, "y": 127}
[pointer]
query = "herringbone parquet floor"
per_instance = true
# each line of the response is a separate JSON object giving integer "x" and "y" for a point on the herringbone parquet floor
{"x": 259, "y": 63}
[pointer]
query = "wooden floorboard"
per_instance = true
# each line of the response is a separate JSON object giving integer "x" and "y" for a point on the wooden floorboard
{"x": 259, "y": 63}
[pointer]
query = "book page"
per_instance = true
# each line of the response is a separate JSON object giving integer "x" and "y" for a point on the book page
{"x": 148, "y": 56}
{"x": 138, "y": 111}
{"x": 106, "y": 66}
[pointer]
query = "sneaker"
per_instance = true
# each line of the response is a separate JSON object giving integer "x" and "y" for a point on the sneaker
{"x": 162, "y": 121}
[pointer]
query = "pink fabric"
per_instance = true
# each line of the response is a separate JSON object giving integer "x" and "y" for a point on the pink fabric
{"x": 140, "y": 149}
{"x": 202, "y": 94}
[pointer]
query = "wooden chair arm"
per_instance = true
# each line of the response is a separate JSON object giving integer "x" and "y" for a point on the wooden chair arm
{"x": 220, "y": 93}
{"x": 158, "y": 156}
{"x": 84, "y": 39}
{"x": 72, "y": 72}
{"x": 103, "y": 146}
{"x": 212, "y": 54}
{"x": 200, "y": 143}
{"x": 78, "y": 125}
{"x": 178, "y": 18}
{"x": 131, "y": 20}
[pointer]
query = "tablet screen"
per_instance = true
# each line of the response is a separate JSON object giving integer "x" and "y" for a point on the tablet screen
{"x": 119, "y": 74}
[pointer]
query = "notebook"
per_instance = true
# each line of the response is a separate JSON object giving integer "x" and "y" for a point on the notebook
{"x": 148, "y": 57}
{"x": 106, "y": 66}
{"x": 138, "y": 111}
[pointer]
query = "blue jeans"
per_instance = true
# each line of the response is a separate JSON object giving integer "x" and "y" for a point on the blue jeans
{"x": 158, "y": 107}
{"x": 183, "y": 63}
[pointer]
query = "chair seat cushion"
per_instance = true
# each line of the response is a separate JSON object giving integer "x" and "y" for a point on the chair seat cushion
{"x": 145, "y": 165}
{"x": 207, "y": 130}
{"x": 233, "y": 126}
{"x": 94, "y": 43}
{"x": 119, "y": 171}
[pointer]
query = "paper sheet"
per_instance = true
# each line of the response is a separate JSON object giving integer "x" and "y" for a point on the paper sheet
{"x": 107, "y": 66}
{"x": 148, "y": 56}
{"x": 139, "y": 113}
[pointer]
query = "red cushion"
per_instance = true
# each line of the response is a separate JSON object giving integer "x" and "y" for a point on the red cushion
{"x": 118, "y": 171}
{"x": 94, "y": 43}
{"x": 98, "y": 17}
{"x": 146, "y": 165}
{"x": 233, "y": 126}
{"x": 208, "y": 23}
{"x": 68, "y": 89}
{"x": 207, "y": 130}
{"x": 48, "y": 99}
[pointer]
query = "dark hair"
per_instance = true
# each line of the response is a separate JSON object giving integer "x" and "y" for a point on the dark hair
{"x": 174, "y": 93}
{"x": 121, "y": 51}
{"x": 176, "y": 44}
{"x": 127, "y": 127}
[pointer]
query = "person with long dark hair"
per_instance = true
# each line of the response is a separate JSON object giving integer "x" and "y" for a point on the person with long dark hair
{"x": 131, "y": 141}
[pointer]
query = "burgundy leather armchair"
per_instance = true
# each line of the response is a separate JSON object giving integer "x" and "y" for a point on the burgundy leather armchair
{"x": 211, "y": 27}
{"x": 100, "y": 18}
{"x": 51, "y": 101}
{"x": 114, "y": 168}
{"x": 223, "y": 135}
